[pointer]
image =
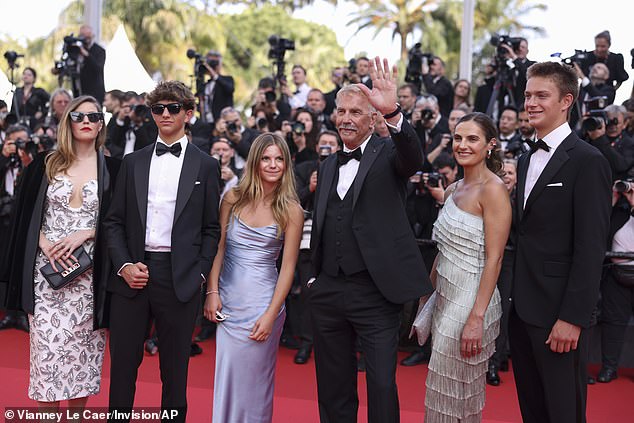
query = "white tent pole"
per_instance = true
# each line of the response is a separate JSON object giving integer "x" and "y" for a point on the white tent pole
{"x": 92, "y": 17}
{"x": 466, "y": 40}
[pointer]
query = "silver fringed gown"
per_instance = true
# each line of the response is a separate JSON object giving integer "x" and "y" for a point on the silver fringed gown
{"x": 455, "y": 384}
{"x": 245, "y": 369}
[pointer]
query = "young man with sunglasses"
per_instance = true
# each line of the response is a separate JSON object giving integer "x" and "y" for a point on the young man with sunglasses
{"x": 163, "y": 234}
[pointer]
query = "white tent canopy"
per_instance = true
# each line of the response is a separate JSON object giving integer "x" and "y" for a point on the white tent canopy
{"x": 123, "y": 69}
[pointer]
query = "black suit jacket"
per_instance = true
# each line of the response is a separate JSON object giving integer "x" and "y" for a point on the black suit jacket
{"x": 195, "y": 232}
{"x": 379, "y": 219}
{"x": 561, "y": 236}
{"x": 144, "y": 135}
{"x": 36, "y": 103}
{"x": 19, "y": 265}
{"x": 222, "y": 95}
{"x": 91, "y": 73}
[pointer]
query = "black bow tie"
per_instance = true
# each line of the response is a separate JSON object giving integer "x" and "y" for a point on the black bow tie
{"x": 343, "y": 157}
{"x": 162, "y": 149}
{"x": 539, "y": 144}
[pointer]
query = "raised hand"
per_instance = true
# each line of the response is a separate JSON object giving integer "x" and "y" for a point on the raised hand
{"x": 383, "y": 94}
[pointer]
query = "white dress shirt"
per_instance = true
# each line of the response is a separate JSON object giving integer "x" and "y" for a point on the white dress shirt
{"x": 298, "y": 99}
{"x": 539, "y": 159}
{"x": 165, "y": 173}
{"x": 624, "y": 241}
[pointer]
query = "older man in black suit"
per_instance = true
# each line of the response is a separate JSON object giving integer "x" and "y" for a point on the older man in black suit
{"x": 366, "y": 259}
{"x": 563, "y": 208}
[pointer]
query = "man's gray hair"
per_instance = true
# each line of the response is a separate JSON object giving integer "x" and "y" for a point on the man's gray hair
{"x": 429, "y": 99}
{"x": 615, "y": 108}
{"x": 61, "y": 91}
{"x": 352, "y": 89}
{"x": 224, "y": 112}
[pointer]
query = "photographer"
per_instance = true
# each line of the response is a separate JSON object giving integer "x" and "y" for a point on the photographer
{"x": 301, "y": 136}
{"x": 428, "y": 122}
{"x": 230, "y": 126}
{"x": 222, "y": 151}
{"x": 29, "y": 101}
{"x": 92, "y": 61}
{"x": 407, "y": 94}
{"x": 60, "y": 99}
{"x": 597, "y": 84}
{"x": 218, "y": 89}
{"x": 608, "y": 135}
{"x": 337, "y": 76}
{"x": 362, "y": 71}
{"x": 306, "y": 174}
{"x": 617, "y": 289}
{"x": 277, "y": 109}
{"x": 526, "y": 134}
{"x": 134, "y": 129}
{"x": 298, "y": 98}
{"x": 437, "y": 85}
{"x": 602, "y": 54}
{"x": 316, "y": 103}
{"x": 443, "y": 142}
{"x": 518, "y": 54}
{"x": 507, "y": 126}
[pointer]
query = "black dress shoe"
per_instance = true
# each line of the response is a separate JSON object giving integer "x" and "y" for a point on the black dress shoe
{"x": 504, "y": 366}
{"x": 22, "y": 323}
{"x": 206, "y": 332}
{"x": 8, "y": 322}
{"x": 289, "y": 342}
{"x": 591, "y": 380}
{"x": 416, "y": 358}
{"x": 302, "y": 355}
{"x": 195, "y": 350}
{"x": 607, "y": 375}
{"x": 493, "y": 378}
{"x": 151, "y": 346}
{"x": 361, "y": 363}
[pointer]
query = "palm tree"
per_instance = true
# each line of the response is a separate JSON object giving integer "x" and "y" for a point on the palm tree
{"x": 402, "y": 16}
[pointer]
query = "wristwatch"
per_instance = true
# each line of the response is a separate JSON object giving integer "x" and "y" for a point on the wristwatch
{"x": 394, "y": 113}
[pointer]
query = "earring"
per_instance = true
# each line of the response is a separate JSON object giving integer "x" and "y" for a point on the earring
{"x": 488, "y": 154}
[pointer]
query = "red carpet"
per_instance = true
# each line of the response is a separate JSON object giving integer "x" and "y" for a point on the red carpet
{"x": 295, "y": 390}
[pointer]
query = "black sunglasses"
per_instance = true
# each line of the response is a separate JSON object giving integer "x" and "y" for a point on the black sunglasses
{"x": 172, "y": 108}
{"x": 93, "y": 117}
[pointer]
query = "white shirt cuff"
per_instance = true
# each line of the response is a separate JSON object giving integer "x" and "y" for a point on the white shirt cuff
{"x": 396, "y": 128}
{"x": 124, "y": 265}
{"x": 585, "y": 81}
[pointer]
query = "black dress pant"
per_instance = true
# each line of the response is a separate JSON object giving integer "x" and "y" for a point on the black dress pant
{"x": 617, "y": 305}
{"x": 504, "y": 285}
{"x": 344, "y": 309}
{"x": 551, "y": 387}
{"x": 304, "y": 273}
{"x": 130, "y": 321}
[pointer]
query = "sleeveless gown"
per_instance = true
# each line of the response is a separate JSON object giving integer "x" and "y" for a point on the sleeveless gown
{"x": 66, "y": 353}
{"x": 455, "y": 384}
{"x": 245, "y": 369}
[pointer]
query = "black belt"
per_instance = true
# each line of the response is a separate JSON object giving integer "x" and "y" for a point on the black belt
{"x": 159, "y": 256}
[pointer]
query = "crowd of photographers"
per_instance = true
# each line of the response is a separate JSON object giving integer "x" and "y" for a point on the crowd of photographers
{"x": 304, "y": 116}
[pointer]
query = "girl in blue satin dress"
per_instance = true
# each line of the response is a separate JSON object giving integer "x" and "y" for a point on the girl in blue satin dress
{"x": 245, "y": 292}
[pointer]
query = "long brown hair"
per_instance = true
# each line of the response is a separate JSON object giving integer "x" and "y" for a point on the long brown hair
{"x": 60, "y": 160}
{"x": 484, "y": 122}
{"x": 250, "y": 190}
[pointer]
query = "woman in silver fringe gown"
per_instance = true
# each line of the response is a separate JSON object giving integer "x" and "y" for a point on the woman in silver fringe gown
{"x": 245, "y": 293}
{"x": 471, "y": 231}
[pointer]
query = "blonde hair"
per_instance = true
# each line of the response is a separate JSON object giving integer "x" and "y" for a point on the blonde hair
{"x": 60, "y": 160}
{"x": 250, "y": 190}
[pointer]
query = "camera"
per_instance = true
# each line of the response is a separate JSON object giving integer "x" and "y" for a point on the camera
{"x": 47, "y": 143}
{"x": 426, "y": 114}
{"x": 352, "y": 65}
{"x": 140, "y": 110}
{"x": 199, "y": 67}
{"x": 624, "y": 186}
{"x": 578, "y": 58}
{"x": 594, "y": 121}
{"x": 298, "y": 128}
{"x": 261, "y": 123}
{"x": 433, "y": 179}
{"x": 279, "y": 46}
{"x": 12, "y": 57}
{"x": 415, "y": 58}
{"x": 270, "y": 96}
{"x": 324, "y": 152}
{"x": 232, "y": 127}
{"x": 499, "y": 41}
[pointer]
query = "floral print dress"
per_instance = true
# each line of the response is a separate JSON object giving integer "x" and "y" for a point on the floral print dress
{"x": 66, "y": 353}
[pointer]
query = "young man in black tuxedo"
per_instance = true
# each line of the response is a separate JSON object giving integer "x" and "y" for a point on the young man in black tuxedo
{"x": 163, "y": 231}
{"x": 366, "y": 260}
{"x": 563, "y": 208}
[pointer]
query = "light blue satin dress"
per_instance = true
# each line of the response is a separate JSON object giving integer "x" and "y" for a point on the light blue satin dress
{"x": 245, "y": 369}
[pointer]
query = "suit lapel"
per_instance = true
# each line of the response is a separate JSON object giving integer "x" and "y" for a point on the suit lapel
{"x": 369, "y": 156}
{"x": 325, "y": 178}
{"x": 522, "y": 170}
{"x": 142, "y": 180}
{"x": 554, "y": 164}
{"x": 189, "y": 173}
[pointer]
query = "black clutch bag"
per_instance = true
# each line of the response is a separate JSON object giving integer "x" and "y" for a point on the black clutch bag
{"x": 62, "y": 278}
